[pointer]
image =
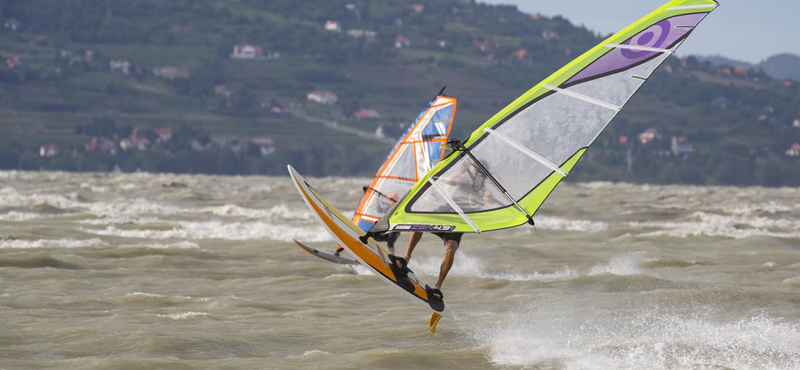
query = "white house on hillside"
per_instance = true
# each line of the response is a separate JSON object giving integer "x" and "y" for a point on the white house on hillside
{"x": 323, "y": 97}
{"x": 247, "y": 52}
{"x": 333, "y": 26}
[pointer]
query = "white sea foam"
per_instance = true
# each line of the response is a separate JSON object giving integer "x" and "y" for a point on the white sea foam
{"x": 620, "y": 265}
{"x": 129, "y": 209}
{"x": 151, "y": 295}
{"x": 720, "y": 225}
{"x": 564, "y": 224}
{"x": 19, "y": 216}
{"x": 198, "y": 230}
{"x": 572, "y": 334}
{"x": 184, "y": 315}
{"x": 178, "y": 245}
{"x": 280, "y": 211}
{"x": 15, "y": 175}
{"x": 51, "y": 243}
{"x": 314, "y": 352}
{"x": 754, "y": 208}
{"x": 94, "y": 188}
{"x": 667, "y": 206}
{"x": 122, "y": 220}
{"x": 10, "y": 197}
{"x": 599, "y": 185}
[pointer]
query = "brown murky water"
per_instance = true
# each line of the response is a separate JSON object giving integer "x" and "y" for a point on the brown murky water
{"x": 116, "y": 271}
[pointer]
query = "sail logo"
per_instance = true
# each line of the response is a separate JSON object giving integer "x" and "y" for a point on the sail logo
{"x": 424, "y": 228}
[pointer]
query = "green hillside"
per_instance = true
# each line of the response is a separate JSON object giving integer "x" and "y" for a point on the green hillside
{"x": 78, "y": 71}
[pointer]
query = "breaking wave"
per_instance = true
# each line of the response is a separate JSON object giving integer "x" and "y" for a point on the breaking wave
{"x": 572, "y": 334}
{"x": 197, "y": 230}
{"x": 19, "y": 216}
{"x": 127, "y": 210}
{"x": 737, "y": 226}
{"x": 563, "y": 224}
{"x": 51, "y": 243}
{"x": 183, "y": 316}
{"x": 620, "y": 265}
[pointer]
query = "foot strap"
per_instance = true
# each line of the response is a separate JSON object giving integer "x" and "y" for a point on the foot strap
{"x": 400, "y": 269}
{"x": 437, "y": 303}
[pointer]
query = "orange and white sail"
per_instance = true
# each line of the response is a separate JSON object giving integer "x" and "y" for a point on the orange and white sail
{"x": 420, "y": 148}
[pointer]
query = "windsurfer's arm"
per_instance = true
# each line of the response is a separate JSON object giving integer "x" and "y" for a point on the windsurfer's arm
{"x": 451, "y": 179}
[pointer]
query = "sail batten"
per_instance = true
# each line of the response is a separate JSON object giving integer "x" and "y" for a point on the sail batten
{"x": 453, "y": 204}
{"x": 527, "y": 151}
{"x": 585, "y": 98}
{"x": 640, "y": 48}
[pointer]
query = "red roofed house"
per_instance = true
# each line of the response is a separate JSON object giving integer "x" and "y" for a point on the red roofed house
{"x": 550, "y": 35}
{"x": 417, "y": 7}
{"x": 740, "y": 71}
{"x": 787, "y": 83}
{"x": 13, "y": 62}
{"x": 680, "y": 145}
{"x": 323, "y": 97}
{"x": 623, "y": 139}
{"x": 366, "y": 113}
{"x": 48, "y": 150}
{"x": 649, "y": 135}
{"x": 402, "y": 42}
{"x": 164, "y": 134}
{"x": 523, "y": 54}
{"x": 535, "y": 17}
{"x": 725, "y": 71}
{"x": 333, "y": 26}
{"x": 794, "y": 150}
{"x": 247, "y": 52}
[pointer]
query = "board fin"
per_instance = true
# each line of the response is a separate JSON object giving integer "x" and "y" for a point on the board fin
{"x": 435, "y": 317}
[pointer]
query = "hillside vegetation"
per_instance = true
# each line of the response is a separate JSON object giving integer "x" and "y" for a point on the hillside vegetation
{"x": 90, "y": 71}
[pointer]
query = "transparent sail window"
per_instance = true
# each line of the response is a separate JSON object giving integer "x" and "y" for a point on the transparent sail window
{"x": 377, "y": 205}
{"x": 468, "y": 186}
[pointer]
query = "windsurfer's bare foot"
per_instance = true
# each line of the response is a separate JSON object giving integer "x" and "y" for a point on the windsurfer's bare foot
{"x": 338, "y": 252}
{"x": 391, "y": 250}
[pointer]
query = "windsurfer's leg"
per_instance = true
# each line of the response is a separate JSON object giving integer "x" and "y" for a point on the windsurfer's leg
{"x": 338, "y": 251}
{"x": 412, "y": 243}
{"x": 391, "y": 240}
{"x": 451, "y": 246}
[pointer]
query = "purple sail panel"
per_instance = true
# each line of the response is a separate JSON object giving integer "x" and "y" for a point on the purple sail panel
{"x": 660, "y": 35}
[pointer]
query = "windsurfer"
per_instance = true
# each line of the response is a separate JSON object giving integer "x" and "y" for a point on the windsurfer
{"x": 472, "y": 185}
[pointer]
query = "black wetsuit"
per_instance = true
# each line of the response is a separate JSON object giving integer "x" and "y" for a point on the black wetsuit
{"x": 449, "y": 236}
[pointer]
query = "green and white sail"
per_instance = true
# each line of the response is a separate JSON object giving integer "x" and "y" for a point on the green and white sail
{"x": 532, "y": 144}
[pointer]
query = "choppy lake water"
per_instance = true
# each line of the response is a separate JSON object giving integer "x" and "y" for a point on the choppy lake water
{"x": 116, "y": 271}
